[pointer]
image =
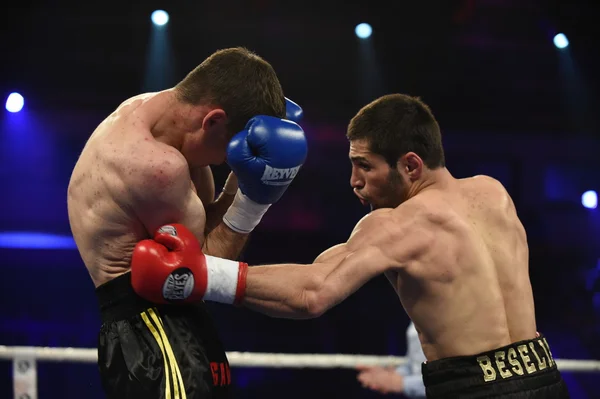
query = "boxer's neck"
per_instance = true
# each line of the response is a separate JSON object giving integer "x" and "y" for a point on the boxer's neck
{"x": 439, "y": 178}
{"x": 177, "y": 120}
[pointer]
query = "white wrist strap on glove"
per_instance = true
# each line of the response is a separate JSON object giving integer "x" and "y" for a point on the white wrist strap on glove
{"x": 244, "y": 214}
{"x": 226, "y": 280}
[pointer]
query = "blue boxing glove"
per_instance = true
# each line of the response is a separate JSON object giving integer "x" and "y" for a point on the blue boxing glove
{"x": 293, "y": 111}
{"x": 265, "y": 157}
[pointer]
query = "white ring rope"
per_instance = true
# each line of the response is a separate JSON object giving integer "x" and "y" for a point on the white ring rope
{"x": 254, "y": 359}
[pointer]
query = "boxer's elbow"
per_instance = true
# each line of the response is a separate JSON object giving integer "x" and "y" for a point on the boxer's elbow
{"x": 316, "y": 306}
{"x": 316, "y": 300}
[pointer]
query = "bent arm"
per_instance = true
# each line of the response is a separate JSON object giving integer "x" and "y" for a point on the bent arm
{"x": 162, "y": 194}
{"x": 216, "y": 209}
{"x": 222, "y": 241}
{"x": 202, "y": 178}
{"x": 204, "y": 183}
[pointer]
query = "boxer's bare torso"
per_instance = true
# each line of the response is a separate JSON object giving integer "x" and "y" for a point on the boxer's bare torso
{"x": 121, "y": 175}
{"x": 468, "y": 288}
{"x": 455, "y": 252}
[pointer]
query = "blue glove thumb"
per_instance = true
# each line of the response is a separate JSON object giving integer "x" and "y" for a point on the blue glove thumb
{"x": 293, "y": 111}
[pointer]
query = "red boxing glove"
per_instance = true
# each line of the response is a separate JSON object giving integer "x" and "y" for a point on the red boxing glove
{"x": 172, "y": 268}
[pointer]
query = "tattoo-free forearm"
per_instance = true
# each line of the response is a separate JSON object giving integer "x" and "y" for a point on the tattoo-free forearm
{"x": 225, "y": 243}
{"x": 307, "y": 291}
{"x": 216, "y": 210}
{"x": 285, "y": 291}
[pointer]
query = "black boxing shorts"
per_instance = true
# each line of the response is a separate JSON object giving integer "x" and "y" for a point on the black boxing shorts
{"x": 157, "y": 351}
{"x": 523, "y": 369}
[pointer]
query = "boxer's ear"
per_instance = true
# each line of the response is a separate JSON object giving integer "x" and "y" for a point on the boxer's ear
{"x": 412, "y": 165}
{"x": 215, "y": 121}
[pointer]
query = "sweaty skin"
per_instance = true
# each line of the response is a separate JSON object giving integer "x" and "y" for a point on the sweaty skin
{"x": 455, "y": 253}
{"x": 127, "y": 183}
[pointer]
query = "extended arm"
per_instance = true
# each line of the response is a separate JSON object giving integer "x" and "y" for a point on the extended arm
{"x": 383, "y": 240}
{"x": 292, "y": 291}
{"x": 307, "y": 291}
{"x": 378, "y": 243}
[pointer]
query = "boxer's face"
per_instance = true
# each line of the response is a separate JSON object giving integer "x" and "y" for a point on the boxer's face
{"x": 374, "y": 181}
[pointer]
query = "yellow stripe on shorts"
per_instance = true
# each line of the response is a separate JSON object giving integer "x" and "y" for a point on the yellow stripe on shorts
{"x": 162, "y": 349}
{"x": 177, "y": 379}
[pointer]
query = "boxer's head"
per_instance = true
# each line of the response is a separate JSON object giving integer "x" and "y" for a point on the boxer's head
{"x": 394, "y": 141}
{"x": 226, "y": 90}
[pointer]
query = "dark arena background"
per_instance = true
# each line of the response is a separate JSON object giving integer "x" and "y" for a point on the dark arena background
{"x": 514, "y": 85}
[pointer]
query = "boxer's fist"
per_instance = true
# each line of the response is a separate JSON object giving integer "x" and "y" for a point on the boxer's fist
{"x": 172, "y": 268}
{"x": 266, "y": 157}
{"x": 293, "y": 111}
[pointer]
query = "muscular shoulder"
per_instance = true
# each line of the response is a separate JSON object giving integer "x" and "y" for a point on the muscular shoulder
{"x": 135, "y": 101}
{"x": 491, "y": 192}
{"x": 488, "y": 183}
{"x": 400, "y": 233}
{"x": 160, "y": 188}
{"x": 372, "y": 227}
{"x": 138, "y": 112}
{"x": 156, "y": 169}
{"x": 419, "y": 210}
{"x": 373, "y": 220}
{"x": 408, "y": 215}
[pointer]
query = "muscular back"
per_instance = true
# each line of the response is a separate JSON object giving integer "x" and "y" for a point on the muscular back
{"x": 121, "y": 174}
{"x": 468, "y": 291}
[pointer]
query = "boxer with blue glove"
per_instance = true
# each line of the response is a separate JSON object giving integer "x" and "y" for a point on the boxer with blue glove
{"x": 148, "y": 165}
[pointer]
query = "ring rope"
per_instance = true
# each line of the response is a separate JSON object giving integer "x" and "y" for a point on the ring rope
{"x": 255, "y": 359}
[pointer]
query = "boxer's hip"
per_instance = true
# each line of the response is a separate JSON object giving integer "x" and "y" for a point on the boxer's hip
{"x": 157, "y": 351}
{"x": 524, "y": 369}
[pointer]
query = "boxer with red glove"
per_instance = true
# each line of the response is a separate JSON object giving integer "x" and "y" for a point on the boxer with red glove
{"x": 171, "y": 268}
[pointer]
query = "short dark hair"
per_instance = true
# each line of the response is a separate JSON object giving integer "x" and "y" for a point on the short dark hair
{"x": 396, "y": 124}
{"x": 238, "y": 81}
